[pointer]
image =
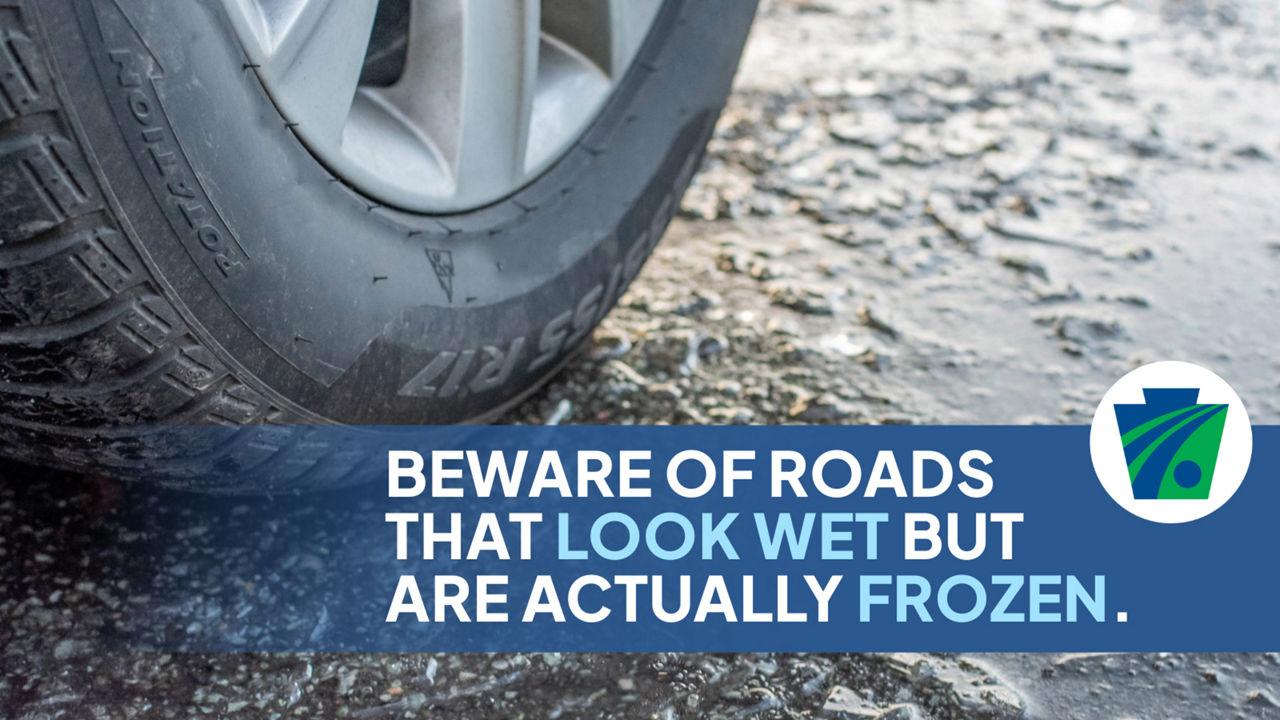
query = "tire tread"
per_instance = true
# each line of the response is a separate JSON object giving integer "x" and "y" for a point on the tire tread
{"x": 93, "y": 356}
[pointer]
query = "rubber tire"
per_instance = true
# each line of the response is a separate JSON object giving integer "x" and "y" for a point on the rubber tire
{"x": 170, "y": 253}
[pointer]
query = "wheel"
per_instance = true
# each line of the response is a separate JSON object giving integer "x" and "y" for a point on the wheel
{"x": 311, "y": 212}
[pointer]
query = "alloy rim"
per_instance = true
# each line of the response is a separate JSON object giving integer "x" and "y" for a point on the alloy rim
{"x": 440, "y": 105}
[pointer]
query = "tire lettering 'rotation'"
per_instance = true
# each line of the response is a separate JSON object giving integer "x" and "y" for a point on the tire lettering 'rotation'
{"x": 129, "y": 72}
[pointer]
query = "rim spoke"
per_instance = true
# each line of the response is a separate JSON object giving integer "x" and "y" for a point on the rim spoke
{"x": 315, "y": 61}
{"x": 606, "y": 32}
{"x": 462, "y": 101}
{"x": 629, "y": 22}
{"x": 468, "y": 85}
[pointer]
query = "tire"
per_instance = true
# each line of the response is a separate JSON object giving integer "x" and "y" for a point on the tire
{"x": 171, "y": 253}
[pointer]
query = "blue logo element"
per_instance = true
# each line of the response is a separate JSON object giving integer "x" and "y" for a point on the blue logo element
{"x": 1171, "y": 443}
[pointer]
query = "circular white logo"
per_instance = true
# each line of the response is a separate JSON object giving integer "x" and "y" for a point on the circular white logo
{"x": 1171, "y": 442}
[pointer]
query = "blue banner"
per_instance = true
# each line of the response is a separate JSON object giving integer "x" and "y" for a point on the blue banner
{"x": 720, "y": 539}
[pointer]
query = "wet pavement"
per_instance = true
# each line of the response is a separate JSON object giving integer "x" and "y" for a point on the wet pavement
{"x": 962, "y": 211}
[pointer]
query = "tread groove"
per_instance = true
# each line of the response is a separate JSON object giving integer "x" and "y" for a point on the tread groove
{"x": 52, "y": 241}
{"x": 41, "y": 335}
